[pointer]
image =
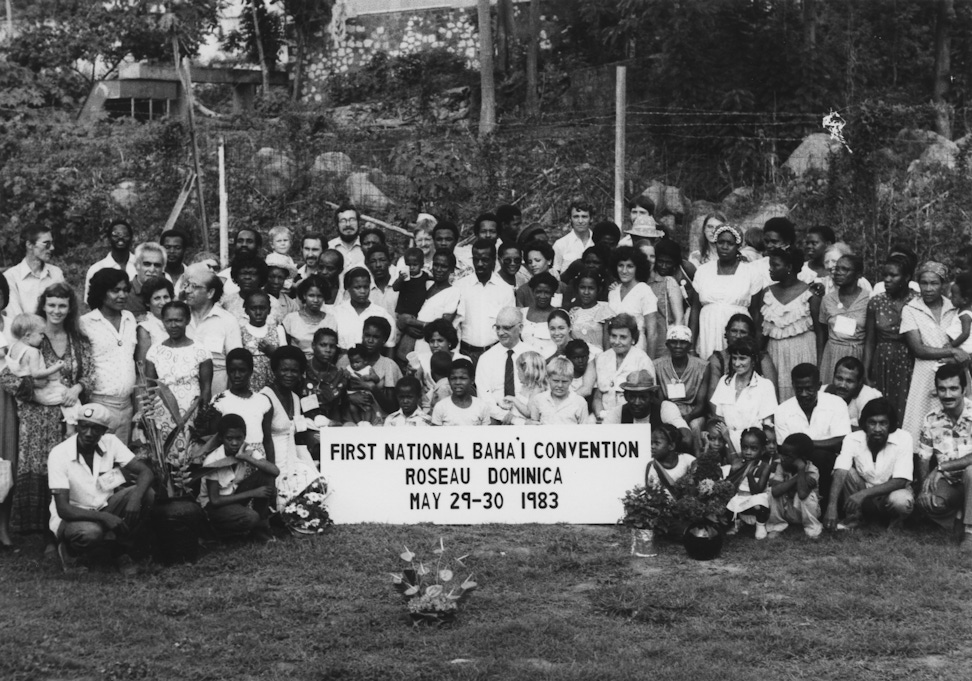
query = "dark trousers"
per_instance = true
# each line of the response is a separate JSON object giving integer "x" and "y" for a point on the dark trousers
{"x": 824, "y": 461}
{"x": 85, "y": 536}
{"x": 240, "y": 519}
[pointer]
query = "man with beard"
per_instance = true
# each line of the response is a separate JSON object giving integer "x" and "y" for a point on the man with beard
{"x": 946, "y": 434}
{"x": 874, "y": 470}
{"x": 247, "y": 241}
{"x": 311, "y": 249}
{"x": 347, "y": 242}
{"x": 849, "y": 386}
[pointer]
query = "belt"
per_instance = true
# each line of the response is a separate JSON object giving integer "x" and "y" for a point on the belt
{"x": 468, "y": 347}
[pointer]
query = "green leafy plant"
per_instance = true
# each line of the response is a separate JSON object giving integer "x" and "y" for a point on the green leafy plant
{"x": 702, "y": 494}
{"x": 645, "y": 507}
{"x": 434, "y": 594}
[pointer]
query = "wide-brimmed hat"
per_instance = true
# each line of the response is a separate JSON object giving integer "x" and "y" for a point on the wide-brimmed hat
{"x": 283, "y": 262}
{"x": 639, "y": 381}
{"x": 645, "y": 228}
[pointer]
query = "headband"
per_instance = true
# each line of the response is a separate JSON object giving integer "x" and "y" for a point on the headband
{"x": 936, "y": 268}
{"x": 736, "y": 234}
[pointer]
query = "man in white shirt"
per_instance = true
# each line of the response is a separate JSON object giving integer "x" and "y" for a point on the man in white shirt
{"x": 311, "y": 249}
{"x": 497, "y": 379}
{"x": 120, "y": 238}
{"x": 483, "y": 295}
{"x": 874, "y": 470}
{"x": 211, "y": 326}
{"x": 645, "y": 404}
{"x": 822, "y": 416}
{"x": 175, "y": 242}
{"x": 486, "y": 227}
{"x": 572, "y": 245}
{"x": 849, "y": 385}
{"x": 91, "y": 505}
{"x": 32, "y": 275}
{"x": 347, "y": 242}
{"x": 246, "y": 240}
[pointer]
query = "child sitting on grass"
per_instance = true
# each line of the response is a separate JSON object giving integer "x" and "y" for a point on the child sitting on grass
{"x": 240, "y": 484}
{"x": 408, "y": 391}
{"x": 793, "y": 495}
{"x": 716, "y": 440}
{"x": 25, "y": 359}
{"x": 558, "y": 405}
{"x": 461, "y": 409}
{"x": 751, "y": 474}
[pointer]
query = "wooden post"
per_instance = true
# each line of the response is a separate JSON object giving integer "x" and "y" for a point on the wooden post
{"x": 487, "y": 114}
{"x": 223, "y": 207}
{"x": 620, "y": 102}
{"x": 186, "y": 78}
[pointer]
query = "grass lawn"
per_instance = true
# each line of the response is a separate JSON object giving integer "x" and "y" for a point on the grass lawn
{"x": 555, "y": 602}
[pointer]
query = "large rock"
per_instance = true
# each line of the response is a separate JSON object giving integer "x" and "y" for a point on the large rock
{"x": 275, "y": 175}
{"x": 335, "y": 163}
{"x": 656, "y": 192}
{"x": 942, "y": 154}
{"x": 739, "y": 200}
{"x": 125, "y": 194}
{"x": 758, "y": 218}
{"x": 812, "y": 154}
{"x": 364, "y": 194}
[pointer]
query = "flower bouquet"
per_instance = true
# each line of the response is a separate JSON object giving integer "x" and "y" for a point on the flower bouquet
{"x": 307, "y": 513}
{"x": 700, "y": 507}
{"x": 433, "y": 594}
{"x": 645, "y": 510}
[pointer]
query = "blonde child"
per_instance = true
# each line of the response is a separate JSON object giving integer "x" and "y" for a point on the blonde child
{"x": 751, "y": 472}
{"x": 281, "y": 240}
{"x": 532, "y": 372}
{"x": 559, "y": 404}
{"x": 24, "y": 359}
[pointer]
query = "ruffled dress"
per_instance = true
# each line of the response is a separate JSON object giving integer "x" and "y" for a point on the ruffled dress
{"x": 792, "y": 341}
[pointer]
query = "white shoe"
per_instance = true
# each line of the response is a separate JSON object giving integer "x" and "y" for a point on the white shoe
{"x": 734, "y": 529}
{"x": 761, "y": 532}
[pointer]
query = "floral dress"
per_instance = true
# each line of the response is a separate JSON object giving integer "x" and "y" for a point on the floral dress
{"x": 892, "y": 363}
{"x": 178, "y": 369}
{"x": 792, "y": 341}
{"x": 261, "y": 346}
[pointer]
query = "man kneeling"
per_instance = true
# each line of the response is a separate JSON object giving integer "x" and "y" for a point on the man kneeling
{"x": 874, "y": 469}
{"x": 92, "y": 508}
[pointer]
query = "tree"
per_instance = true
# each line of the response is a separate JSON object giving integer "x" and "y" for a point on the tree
{"x": 259, "y": 37}
{"x": 487, "y": 114}
{"x": 533, "y": 54}
{"x": 308, "y": 18}
{"x": 943, "y": 71}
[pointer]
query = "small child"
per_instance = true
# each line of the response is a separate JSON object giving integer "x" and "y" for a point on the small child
{"x": 532, "y": 371}
{"x": 667, "y": 465}
{"x": 325, "y": 385}
{"x": 239, "y": 485}
{"x": 440, "y": 363}
{"x": 260, "y": 337}
{"x": 716, "y": 440}
{"x": 408, "y": 391}
{"x": 589, "y": 314}
{"x": 411, "y": 287}
{"x": 579, "y": 354}
{"x": 24, "y": 359}
{"x": 281, "y": 240}
{"x": 959, "y": 329}
{"x": 794, "y": 497}
{"x": 461, "y": 409}
{"x": 751, "y": 504}
{"x": 558, "y": 405}
{"x": 358, "y": 366}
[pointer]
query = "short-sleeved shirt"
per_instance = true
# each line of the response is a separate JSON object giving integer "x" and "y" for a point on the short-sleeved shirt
{"x": 112, "y": 351}
{"x": 67, "y": 470}
{"x": 572, "y": 409}
{"x": 854, "y": 407}
{"x": 446, "y": 413}
{"x": 227, "y": 477}
{"x": 755, "y": 403}
{"x": 350, "y": 324}
{"x": 398, "y": 419}
{"x": 948, "y": 441}
{"x": 894, "y": 461}
{"x": 830, "y": 418}
{"x": 668, "y": 412}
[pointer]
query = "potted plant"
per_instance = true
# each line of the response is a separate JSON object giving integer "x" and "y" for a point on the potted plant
{"x": 433, "y": 593}
{"x": 645, "y": 510}
{"x": 700, "y": 507}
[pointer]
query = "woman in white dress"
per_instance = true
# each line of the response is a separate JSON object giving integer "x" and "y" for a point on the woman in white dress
{"x": 743, "y": 398}
{"x": 255, "y": 408}
{"x": 536, "y": 331}
{"x": 299, "y": 482}
{"x": 613, "y": 365}
{"x": 633, "y": 295}
{"x": 724, "y": 287}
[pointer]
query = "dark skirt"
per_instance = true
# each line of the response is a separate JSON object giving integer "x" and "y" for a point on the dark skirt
{"x": 891, "y": 370}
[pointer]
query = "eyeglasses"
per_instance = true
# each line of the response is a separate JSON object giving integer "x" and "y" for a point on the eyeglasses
{"x": 507, "y": 329}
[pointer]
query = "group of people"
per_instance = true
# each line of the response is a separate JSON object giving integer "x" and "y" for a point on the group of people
{"x": 722, "y": 350}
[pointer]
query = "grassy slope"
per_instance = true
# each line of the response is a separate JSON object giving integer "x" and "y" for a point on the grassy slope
{"x": 554, "y": 603}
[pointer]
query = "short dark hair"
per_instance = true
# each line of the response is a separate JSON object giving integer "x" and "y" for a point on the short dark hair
{"x": 152, "y": 286}
{"x": 826, "y": 233}
{"x": 241, "y": 354}
{"x": 852, "y": 363}
{"x": 228, "y": 422}
{"x": 792, "y": 256}
{"x": 640, "y": 260}
{"x": 409, "y": 382}
{"x": 316, "y": 236}
{"x": 258, "y": 238}
{"x": 174, "y": 234}
{"x": 357, "y": 350}
{"x": 462, "y": 363}
{"x": 624, "y": 321}
{"x": 446, "y": 224}
{"x": 248, "y": 260}
{"x": 123, "y": 223}
{"x": 439, "y": 364}
{"x": 545, "y": 249}
{"x": 5, "y": 292}
{"x": 643, "y": 201}
{"x": 285, "y": 352}
{"x": 783, "y": 227}
{"x": 605, "y": 228}
{"x": 952, "y": 370}
{"x": 443, "y": 253}
{"x": 670, "y": 249}
{"x": 334, "y": 253}
{"x": 880, "y": 406}
{"x": 368, "y": 231}
{"x": 444, "y": 328}
{"x": 800, "y": 443}
{"x": 31, "y": 233}
{"x": 805, "y": 370}
{"x": 507, "y": 213}
{"x": 177, "y": 305}
{"x": 378, "y": 248}
{"x": 103, "y": 281}
{"x": 380, "y": 323}
{"x": 344, "y": 208}
{"x": 354, "y": 273}
{"x": 577, "y": 344}
{"x": 485, "y": 244}
{"x": 315, "y": 280}
{"x": 543, "y": 278}
{"x": 324, "y": 331}
{"x": 254, "y": 294}
{"x": 414, "y": 252}
{"x": 485, "y": 217}
{"x": 580, "y": 204}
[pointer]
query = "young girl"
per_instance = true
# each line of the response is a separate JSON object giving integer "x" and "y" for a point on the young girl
{"x": 590, "y": 314}
{"x": 532, "y": 371}
{"x": 261, "y": 337}
{"x": 752, "y": 501}
{"x": 325, "y": 386}
{"x": 301, "y": 326}
{"x": 667, "y": 465}
{"x": 558, "y": 405}
{"x": 461, "y": 409}
{"x": 24, "y": 359}
{"x": 959, "y": 330}
{"x": 716, "y": 440}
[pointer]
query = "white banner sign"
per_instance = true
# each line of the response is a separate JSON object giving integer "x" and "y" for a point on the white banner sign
{"x": 454, "y": 475}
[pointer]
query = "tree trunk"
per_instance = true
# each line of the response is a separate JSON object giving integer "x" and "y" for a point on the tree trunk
{"x": 259, "y": 41}
{"x": 10, "y": 30}
{"x": 504, "y": 14}
{"x": 810, "y": 19}
{"x": 533, "y": 55}
{"x": 487, "y": 113}
{"x": 299, "y": 66}
{"x": 943, "y": 67}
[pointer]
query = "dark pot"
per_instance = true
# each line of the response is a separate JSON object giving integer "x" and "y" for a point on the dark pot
{"x": 177, "y": 523}
{"x": 703, "y": 540}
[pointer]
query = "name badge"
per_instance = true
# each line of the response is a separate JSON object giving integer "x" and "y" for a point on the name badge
{"x": 107, "y": 482}
{"x": 845, "y": 326}
{"x": 310, "y": 402}
{"x": 676, "y": 391}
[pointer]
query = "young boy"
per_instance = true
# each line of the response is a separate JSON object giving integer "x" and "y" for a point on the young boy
{"x": 24, "y": 359}
{"x": 411, "y": 287}
{"x": 793, "y": 494}
{"x": 358, "y": 367}
{"x": 381, "y": 393}
{"x": 461, "y": 409}
{"x": 408, "y": 391}
{"x": 439, "y": 365}
{"x": 240, "y": 484}
{"x": 558, "y": 405}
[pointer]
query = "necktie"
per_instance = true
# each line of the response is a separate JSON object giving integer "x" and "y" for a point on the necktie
{"x": 509, "y": 387}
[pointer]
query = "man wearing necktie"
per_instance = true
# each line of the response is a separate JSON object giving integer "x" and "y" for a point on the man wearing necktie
{"x": 496, "y": 377}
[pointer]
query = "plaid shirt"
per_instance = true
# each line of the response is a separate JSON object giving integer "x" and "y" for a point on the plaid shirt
{"x": 946, "y": 440}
